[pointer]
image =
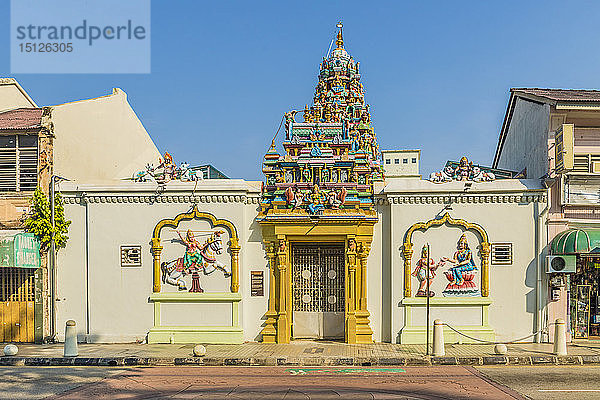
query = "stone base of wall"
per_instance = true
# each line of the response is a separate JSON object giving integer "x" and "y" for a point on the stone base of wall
{"x": 196, "y": 334}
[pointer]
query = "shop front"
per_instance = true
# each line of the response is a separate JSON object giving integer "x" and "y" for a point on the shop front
{"x": 579, "y": 251}
{"x": 20, "y": 289}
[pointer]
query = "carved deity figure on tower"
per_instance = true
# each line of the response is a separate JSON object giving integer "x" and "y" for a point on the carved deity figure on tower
{"x": 315, "y": 200}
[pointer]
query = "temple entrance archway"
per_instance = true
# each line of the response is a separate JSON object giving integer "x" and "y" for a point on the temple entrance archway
{"x": 318, "y": 291}
{"x": 344, "y": 246}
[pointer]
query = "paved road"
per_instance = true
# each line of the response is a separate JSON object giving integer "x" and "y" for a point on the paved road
{"x": 448, "y": 382}
{"x": 444, "y": 382}
{"x": 549, "y": 382}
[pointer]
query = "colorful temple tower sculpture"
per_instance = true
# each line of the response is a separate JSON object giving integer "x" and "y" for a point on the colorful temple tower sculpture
{"x": 321, "y": 191}
{"x": 331, "y": 158}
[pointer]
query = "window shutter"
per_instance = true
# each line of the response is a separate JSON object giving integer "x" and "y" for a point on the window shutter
{"x": 8, "y": 163}
{"x": 563, "y": 147}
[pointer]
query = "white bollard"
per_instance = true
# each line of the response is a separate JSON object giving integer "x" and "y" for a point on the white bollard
{"x": 560, "y": 338}
{"x": 500, "y": 349}
{"x": 199, "y": 350}
{"x": 11, "y": 350}
{"x": 438, "y": 338}
{"x": 71, "y": 339}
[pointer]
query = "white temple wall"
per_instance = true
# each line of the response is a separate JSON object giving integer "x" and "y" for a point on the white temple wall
{"x": 111, "y": 303}
{"x": 506, "y": 210}
{"x": 376, "y": 282}
{"x": 118, "y": 297}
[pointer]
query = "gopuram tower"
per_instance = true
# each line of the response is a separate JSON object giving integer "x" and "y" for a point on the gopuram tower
{"x": 317, "y": 212}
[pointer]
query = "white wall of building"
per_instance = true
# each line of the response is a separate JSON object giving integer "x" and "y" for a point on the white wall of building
{"x": 401, "y": 163}
{"x": 526, "y": 143}
{"x": 13, "y": 96}
{"x": 112, "y": 303}
{"x": 505, "y": 209}
{"x": 100, "y": 139}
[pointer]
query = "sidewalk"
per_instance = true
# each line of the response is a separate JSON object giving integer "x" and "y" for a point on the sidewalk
{"x": 300, "y": 353}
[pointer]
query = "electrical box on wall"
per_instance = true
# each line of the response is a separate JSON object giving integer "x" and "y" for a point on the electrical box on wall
{"x": 561, "y": 264}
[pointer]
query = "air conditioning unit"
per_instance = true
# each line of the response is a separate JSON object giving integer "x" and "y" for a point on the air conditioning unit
{"x": 563, "y": 264}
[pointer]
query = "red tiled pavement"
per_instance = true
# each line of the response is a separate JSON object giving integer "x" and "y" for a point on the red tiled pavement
{"x": 443, "y": 382}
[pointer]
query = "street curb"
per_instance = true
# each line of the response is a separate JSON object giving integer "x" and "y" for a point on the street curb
{"x": 7, "y": 361}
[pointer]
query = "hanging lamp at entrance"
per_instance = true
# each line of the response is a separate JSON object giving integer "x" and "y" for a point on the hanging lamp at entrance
{"x": 320, "y": 190}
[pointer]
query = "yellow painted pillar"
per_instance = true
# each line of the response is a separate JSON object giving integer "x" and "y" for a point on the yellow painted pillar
{"x": 363, "y": 330}
{"x": 350, "y": 291}
{"x": 407, "y": 252}
{"x": 156, "y": 250}
{"x": 364, "y": 253}
{"x": 235, "y": 265}
{"x": 283, "y": 323}
{"x": 485, "y": 269}
{"x": 269, "y": 332}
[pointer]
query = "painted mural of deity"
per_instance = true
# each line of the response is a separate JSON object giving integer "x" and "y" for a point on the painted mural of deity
{"x": 198, "y": 257}
{"x": 462, "y": 274}
{"x": 425, "y": 270}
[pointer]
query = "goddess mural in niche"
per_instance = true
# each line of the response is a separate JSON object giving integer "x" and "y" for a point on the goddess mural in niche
{"x": 461, "y": 275}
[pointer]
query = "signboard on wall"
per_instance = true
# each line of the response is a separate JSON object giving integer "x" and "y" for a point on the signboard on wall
{"x": 20, "y": 251}
{"x": 257, "y": 287}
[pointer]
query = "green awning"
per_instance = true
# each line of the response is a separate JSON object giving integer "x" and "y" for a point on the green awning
{"x": 20, "y": 251}
{"x": 576, "y": 241}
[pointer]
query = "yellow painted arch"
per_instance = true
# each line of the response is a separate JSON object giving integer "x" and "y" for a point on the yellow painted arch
{"x": 447, "y": 219}
{"x": 195, "y": 214}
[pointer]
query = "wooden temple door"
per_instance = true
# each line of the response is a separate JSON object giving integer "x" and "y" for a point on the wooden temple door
{"x": 17, "y": 294}
{"x": 318, "y": 288}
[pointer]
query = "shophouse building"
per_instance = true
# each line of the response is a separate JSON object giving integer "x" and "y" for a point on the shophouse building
{"x": 553, "y": 135}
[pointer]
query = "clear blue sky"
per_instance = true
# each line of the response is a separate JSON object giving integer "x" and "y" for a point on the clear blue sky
{"x": 436, "y": 73}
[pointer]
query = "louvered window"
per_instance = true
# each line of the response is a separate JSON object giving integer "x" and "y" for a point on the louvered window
{"x": 18, "y": 163}
{"x": 502, "y": 253}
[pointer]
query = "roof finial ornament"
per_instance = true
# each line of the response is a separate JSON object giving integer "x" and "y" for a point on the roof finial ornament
{"x": 340, "y": 40}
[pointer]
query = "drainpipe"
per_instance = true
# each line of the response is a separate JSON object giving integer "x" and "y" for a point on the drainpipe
{"x": 539, "y": 264}
{"x": 52, "y": 259}
{"x": 52, "y": 271}
{"x": 87, "y": 265}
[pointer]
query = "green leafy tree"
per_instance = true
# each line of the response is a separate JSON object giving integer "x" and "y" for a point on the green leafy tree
{"x": 39, "y": 221}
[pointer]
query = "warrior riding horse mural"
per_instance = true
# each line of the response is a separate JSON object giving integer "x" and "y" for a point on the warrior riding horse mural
{"x": 198, "y": 257}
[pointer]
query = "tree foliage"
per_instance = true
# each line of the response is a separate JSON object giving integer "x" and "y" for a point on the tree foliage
{"x": 39, "y": 221}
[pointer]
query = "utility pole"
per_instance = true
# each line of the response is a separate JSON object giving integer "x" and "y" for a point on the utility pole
{"x": 52, "y": 265}
{"x": 52, "y": 258}
{"x": 427, "y": 272}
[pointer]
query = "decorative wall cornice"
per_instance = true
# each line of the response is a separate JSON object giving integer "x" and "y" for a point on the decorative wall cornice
{"x": 160, "y": 198}
{"x": 460, "y": 198}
